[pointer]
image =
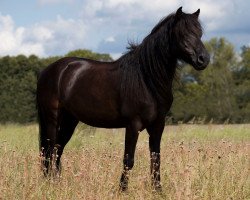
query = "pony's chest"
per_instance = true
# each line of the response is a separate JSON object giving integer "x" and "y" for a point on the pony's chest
{"x": 149, "y": 113}
{"x": 144, "y": 109}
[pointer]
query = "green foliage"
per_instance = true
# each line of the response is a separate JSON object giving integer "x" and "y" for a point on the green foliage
{"x": 89, "y": 54}
{"x": 188, "y": 102}
{"x": 18, "y": 88}
{"x": 219, "y": 81}
{"x": 242, "y": 82}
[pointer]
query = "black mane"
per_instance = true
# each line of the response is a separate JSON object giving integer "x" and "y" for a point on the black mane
{"x": 150, "y": 62}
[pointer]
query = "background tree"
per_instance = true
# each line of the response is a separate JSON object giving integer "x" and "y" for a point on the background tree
{"x": 218, "y": 79}
{"x": 18, "y": 88}
{"x": 89, "y": 54}
{"x": 242, "y": 82}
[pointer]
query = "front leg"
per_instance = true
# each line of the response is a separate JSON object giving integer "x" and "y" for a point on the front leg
{"x": 131, "y": 137}
{"x": 155, "y": 132}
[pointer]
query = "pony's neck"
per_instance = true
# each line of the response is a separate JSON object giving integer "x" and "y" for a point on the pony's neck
{"x": 158, "y": 63}
{"x": 152, "y": 62}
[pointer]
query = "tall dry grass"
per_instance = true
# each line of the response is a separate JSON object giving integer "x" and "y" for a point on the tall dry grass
{"x": 197, "y": 162}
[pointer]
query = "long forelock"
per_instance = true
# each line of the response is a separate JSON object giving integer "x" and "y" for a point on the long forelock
{"x": 189, "y": 24}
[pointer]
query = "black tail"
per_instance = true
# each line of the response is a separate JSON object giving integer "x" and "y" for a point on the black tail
{"x": 40, "y": 118}
{"x": 42, "y": 126}
{"x": 42, "y": 132}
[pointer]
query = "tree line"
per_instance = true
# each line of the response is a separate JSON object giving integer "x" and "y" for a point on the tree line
{"x": 220, "y": 93}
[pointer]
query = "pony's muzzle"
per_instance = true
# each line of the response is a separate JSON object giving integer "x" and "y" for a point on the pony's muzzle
{"x": 202, "y": 61}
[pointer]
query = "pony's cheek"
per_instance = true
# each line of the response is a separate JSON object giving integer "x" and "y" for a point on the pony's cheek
{"x": 189, "y": 52}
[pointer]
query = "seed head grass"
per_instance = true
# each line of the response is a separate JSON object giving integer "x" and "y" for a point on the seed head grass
{"x": 197, "y": 162}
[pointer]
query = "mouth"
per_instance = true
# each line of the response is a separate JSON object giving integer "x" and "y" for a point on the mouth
{"x": 199, "y": 67}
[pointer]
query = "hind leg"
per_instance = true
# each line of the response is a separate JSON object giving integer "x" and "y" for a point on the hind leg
{"x": 66, "y": 127}
{"x": 48, "y": 134}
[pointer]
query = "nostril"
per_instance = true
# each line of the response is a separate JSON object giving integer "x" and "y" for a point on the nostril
{"x": 201, "y": 59}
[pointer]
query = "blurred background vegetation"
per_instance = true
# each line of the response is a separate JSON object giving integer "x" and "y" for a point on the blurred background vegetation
{"x": 219, "y": 94}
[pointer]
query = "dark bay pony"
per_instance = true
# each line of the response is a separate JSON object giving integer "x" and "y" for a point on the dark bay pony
{"x": 133, "y": 92}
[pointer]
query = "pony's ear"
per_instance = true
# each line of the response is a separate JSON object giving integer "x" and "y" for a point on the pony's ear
{"x": 178, "y": 14}
{"x": 197, "y": 13}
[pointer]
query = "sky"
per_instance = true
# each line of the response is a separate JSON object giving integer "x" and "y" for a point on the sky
{"x": 55, "y": 27}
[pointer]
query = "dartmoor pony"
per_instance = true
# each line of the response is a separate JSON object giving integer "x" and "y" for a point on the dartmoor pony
{"x": 133, "y": 92}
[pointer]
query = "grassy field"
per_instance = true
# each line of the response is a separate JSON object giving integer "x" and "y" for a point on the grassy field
{"x": 198, "y": 162}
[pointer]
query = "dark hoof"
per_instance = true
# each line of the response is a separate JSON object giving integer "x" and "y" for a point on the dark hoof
{"x": 157, "y": 188}
{"x": 124, "y": 182}
{"x": 123, "y": 187}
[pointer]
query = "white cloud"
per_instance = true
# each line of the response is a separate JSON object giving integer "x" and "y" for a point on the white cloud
{"x": 42, "y": 39}
{"x": 42, "y": 33}
{"x": 66, "y": 34}
{"x": 127, "y": 10}
{"x": 110, "y": 39}
{"x": 12, "y": 39}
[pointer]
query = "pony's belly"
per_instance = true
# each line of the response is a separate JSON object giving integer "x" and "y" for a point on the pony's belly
{"x": 98, "y": 117}
{"x": 115, "y": 124}
{"x": 104, "y": 123}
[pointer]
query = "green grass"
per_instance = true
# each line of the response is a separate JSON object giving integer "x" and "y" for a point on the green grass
{"x": 197, "y": 162}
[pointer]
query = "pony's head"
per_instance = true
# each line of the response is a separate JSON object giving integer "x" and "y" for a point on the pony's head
{"x": 187, "y": 33}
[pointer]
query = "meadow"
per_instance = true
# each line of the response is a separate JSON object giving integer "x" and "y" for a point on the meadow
{"x": 197, "y": 162}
